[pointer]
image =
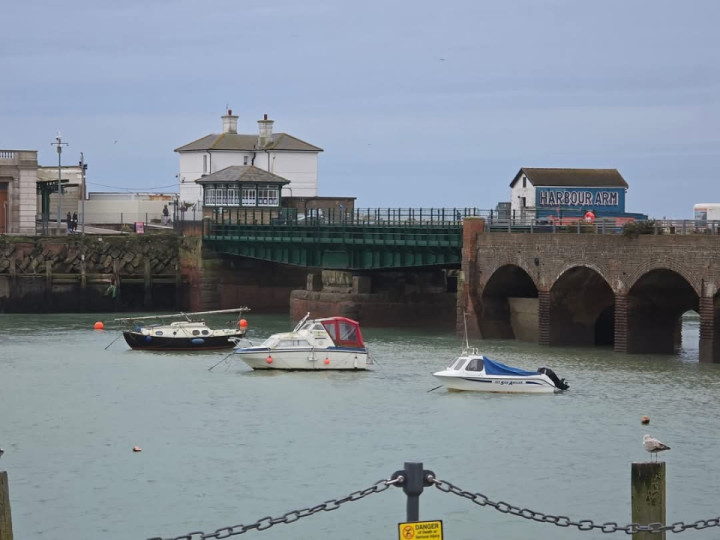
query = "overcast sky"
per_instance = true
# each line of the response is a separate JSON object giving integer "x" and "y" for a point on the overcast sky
{"x": 416, "y": 103}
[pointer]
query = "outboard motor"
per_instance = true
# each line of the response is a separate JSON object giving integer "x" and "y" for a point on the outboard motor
{"x": 558, "y": 382}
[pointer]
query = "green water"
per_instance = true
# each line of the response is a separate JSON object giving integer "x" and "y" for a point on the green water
{"x": 231, "y": 446}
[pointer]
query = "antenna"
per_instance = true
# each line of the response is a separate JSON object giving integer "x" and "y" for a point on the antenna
{"x": 467, "y": 345}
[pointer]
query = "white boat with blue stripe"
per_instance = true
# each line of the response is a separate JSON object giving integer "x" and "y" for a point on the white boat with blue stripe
{"x": 332, "y": 343}
{"x": 474, "y": 372}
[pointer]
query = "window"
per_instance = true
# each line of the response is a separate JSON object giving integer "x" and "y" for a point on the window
{"x": 459, "y": 363}
{"x": 524, "y": 181}
{"x": 210, "y": 196}
{"x": 249, "y": 196}
{"x": 245, "y": 160}
{"x": 232, "y": 196}
{"x": 476, "y": 364}
{"x": 268, "y": 196}
{"x": 222, "y": 195}
{"x": 204, "y": 164}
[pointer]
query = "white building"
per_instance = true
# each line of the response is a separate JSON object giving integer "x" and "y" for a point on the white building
{"x": 278, "y": 153}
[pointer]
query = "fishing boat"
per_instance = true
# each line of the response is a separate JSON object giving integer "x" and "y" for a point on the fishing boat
{"x": 332, "y": 343}
{"x": 474, "y": 372}
{"x": 191, "y": 333}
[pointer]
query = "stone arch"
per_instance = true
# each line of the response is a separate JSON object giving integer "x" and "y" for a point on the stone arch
{"x": 581, "y": 308}
{"x": 662, "y": 263}
{"x": 508, "y": 304}
{"x": 656, "y": 302}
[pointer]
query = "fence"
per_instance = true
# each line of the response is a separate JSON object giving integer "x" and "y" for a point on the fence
{"x": 648, "y": 507}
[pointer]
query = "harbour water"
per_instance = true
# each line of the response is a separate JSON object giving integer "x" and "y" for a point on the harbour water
{"x": 227, "y": 446}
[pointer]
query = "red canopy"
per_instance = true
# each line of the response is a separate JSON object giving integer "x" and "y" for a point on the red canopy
{"x": 344, "y": 332}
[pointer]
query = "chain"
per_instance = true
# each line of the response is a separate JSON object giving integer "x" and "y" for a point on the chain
{"x": 564, "y": 521}
{"x": 288, "y": 517}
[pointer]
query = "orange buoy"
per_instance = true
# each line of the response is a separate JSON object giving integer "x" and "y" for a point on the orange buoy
{"x": 327, "y": 361}
{"x": 137, "y": 449}
{"x": 645, "y": 420}
{"x": 242, "y": 323}
{"x": 98, "y": 325}
{"x": 269, "y": 360}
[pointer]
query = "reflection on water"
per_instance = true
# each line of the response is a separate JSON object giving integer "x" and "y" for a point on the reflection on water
{"x": 230, "y": 445}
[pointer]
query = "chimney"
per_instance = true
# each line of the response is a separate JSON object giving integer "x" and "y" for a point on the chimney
{"x": 229, "y": 122}
{"x": 265, "y": 131}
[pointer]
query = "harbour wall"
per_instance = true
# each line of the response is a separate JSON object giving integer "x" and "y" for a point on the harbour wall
{"x": 89, "y": 273}
{"x": 169, "y": 272}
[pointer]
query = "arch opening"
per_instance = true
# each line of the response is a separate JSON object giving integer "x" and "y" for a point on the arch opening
{"x": 656, "y": 304}
{"x": 509, "y": 305}
{"x": 582, "y": 309}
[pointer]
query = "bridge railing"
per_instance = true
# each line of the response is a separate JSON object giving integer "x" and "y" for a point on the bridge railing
{"x": 311, "y": 217}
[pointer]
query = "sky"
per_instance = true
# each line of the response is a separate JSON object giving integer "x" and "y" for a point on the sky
{"x": 415, "y": 103}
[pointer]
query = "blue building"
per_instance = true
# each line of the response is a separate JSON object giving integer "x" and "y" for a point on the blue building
{"x": 566, "y": 195}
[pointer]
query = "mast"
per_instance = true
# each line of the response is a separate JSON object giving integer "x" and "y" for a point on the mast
{"x": 186, "y": 315}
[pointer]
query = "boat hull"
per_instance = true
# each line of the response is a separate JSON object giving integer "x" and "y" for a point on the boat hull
{"x": 539, "y": 384}
{"x": 304, "y": 360}
{"x": 139, "y": 341}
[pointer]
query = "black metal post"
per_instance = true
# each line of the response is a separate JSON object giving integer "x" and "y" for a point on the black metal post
{"x": 413, "y": 479}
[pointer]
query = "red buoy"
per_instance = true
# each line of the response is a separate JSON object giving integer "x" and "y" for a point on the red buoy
{"x": 269, "y": 360}
{"x": 98, "y": 325}
{"x": 242, "y": 323}
{"x": 327, "y": 361}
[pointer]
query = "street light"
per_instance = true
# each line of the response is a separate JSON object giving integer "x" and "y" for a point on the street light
{"x": 83, "y": 168}
{"x": 59, "y": 144}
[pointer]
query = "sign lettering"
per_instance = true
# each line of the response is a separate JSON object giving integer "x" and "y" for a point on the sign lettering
{"x": 420, "y": 530}
{"x": 577, "y": 197}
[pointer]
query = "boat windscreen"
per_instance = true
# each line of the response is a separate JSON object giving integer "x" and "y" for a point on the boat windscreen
{"x": 344, "y": 332}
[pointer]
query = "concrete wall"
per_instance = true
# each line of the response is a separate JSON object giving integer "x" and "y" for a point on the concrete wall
{"x": 524, "y": 318}
{"x": 18, "y": 168}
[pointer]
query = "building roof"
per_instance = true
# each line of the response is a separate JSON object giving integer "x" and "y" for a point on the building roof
{"x": 242, "y": 174}
{"x": 242, "y": 142}
{"x": 572, "y": 177}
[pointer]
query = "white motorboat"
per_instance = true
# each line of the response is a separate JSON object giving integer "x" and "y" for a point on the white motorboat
{"x": 333, "y": 343}
{"x": 477, "y": 373}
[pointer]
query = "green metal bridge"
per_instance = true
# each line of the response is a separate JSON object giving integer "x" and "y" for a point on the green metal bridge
{"x": 360, "y": 239}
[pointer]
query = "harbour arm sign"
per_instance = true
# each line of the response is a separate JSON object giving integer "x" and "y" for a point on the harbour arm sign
{"x": 581, "y": 197}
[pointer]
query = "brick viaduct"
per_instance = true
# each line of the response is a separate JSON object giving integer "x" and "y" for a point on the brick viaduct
{"x": 568, "y": 289}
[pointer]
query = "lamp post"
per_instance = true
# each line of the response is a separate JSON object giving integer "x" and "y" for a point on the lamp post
{"x": 83, "y": 168}
{"x": 59, "y": 144}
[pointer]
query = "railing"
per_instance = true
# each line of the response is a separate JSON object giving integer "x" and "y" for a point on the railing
{"x": 431, "y": 217}
{"x": 648, "y": 508}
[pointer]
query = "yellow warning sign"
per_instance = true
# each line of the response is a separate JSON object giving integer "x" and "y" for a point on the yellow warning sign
{"x": 420, "y": 530}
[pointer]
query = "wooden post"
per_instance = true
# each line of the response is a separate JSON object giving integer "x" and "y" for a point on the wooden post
{"x": 648, "y": 497}
{"x": 5, "y": 519}
{"x": 147, "y": 300}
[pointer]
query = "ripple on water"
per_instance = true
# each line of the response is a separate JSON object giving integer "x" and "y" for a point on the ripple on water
{"x": 231, "y": 445}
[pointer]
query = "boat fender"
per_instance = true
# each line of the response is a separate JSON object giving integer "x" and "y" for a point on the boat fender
{"x": 197, "y": 341}
{"x": 148, "y": 338}
{"x": 558, "y": 382}
{"x": 138, "y": 328}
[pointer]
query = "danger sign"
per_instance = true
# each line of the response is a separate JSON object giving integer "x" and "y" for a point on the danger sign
{"x": 420, "y": 530}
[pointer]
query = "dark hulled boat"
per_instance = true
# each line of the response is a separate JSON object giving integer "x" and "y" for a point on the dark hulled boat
{"x": 191, "y": 334}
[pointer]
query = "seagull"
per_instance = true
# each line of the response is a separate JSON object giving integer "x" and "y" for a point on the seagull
{"x": 1, "y": 452}
{"x": 653, "y": 445}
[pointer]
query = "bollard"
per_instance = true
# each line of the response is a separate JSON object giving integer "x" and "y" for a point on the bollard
{"x": 648, "y": 497}
{"x": 5, "y": 519}
{"x": 414, "y": 478}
